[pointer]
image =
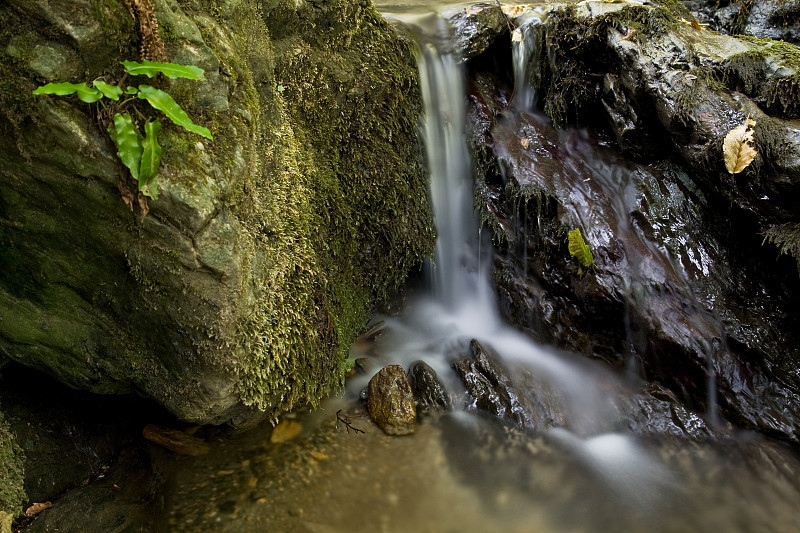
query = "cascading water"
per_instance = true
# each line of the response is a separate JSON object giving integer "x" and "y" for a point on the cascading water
{"x": 461, "y": 306}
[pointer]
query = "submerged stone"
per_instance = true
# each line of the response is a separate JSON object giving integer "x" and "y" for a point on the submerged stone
{"x": 391, "y": 402}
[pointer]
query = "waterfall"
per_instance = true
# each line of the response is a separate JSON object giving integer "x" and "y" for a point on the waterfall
{"x": 461, "y": 305}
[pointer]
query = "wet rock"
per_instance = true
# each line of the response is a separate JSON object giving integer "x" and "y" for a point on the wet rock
{"x": 656, "y": 410}
{"x": 527, "y": 402}
{"x": 681, "y": 286}
{"x": 773, "y": 19}
{"x": 391, "y": 403}
{"x": 429, "y": 391}
{"x": 476, "y": 27}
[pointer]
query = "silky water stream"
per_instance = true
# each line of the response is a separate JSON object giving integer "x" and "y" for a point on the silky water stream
{"x": 462, "y": 471}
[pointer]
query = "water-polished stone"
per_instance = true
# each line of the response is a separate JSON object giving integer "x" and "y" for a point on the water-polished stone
{"x": 391, "y": 403}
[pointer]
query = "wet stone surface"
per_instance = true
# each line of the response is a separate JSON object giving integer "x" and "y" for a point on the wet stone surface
{"x": 429, "y": 392}
{"x": 391, "y": 402}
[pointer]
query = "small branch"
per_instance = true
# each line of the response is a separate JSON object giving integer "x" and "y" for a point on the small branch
{"x": 345, "y": 419}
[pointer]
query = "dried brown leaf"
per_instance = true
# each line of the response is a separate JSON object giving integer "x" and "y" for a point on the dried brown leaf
{"x": 37, "y": 508}
{"x": 175, "y": 440}
{"x": 737, "y": 148}
{"x": 525, "y": 143}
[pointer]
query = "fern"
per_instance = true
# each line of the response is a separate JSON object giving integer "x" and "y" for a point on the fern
{"x": 140, "y": 153}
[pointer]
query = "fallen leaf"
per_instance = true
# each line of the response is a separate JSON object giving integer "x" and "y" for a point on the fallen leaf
{"x": 319, "y": 456}
{"x": 175, "y": 440}
{"x": 737, "y": 148}
{"x": 525, "y": 143}
{"x": 286, "y": 430}
{"x": 628, "y": 34}
{"x": 37, "y": 508}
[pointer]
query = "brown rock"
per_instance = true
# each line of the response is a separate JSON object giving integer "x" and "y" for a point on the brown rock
{"x": 391, "y": 402}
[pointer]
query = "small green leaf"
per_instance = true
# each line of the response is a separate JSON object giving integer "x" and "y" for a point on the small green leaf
{"x": 131, "y": 90}
{"x": 170, "y": 70}
{"x": 109, "y": 91}
{"x": 164, "y": 102}
{"x": 85, "y": 93}
{"x": 151, "y": 159}
{"x": 579, "y": 249}
{"x": 128, "y": 141}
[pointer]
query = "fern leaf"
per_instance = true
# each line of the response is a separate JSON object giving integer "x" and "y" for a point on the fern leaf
{"x": 170, "y": 70}
{"x": 579, "y": 249}
{"x": 164, "y": 102}
{"x": 151, "y": 159}
{"x": 737, "y": 148}
{"x": 128, "y": 141}
{"x": 109, "y": 91}
{"x": 85, "y": 93}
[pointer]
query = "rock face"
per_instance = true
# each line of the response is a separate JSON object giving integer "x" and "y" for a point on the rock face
{"x": 682, "y": 285}
{"x": 773, "y": 19}
{"x": 240, "y": 291}
{"x": 391, "y": 403}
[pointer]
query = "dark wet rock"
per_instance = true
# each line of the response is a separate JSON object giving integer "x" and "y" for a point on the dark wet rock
{"x": 72, "y": 443}
{"x": 391, "y": 403}
{"x": 681, "y": 286}
{"x": 526, "y": 401}
{"x": 476, "y": 27}
{"x": 656, "y": 410}
{"x": 773, "y": 19}
{"x": 429, "y": 391}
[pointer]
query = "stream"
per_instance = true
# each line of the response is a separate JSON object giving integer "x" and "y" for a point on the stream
{"x": 572, "y": 465}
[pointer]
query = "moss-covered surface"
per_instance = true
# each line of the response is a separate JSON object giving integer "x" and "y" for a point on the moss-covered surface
{"x": 769, "y": 73}
{"x": 577, "y": 56}
{"x": 12, "y": 471}
{"x": 259, "y": 263}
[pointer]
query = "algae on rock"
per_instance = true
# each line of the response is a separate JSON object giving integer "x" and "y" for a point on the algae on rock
{"x": 241, "y": 290}
{"x": 12, "y": 491}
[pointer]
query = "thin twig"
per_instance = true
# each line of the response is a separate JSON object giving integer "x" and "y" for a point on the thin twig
{"x": 346, "y": 421}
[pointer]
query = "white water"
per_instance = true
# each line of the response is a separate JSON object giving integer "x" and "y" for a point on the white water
{"x": 461, "y": 305}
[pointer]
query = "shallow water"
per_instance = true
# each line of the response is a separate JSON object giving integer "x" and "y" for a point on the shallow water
{"x": 464, "y": 473}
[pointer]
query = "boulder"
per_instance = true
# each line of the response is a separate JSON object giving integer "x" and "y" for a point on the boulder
{"x": 390, "y": 402}
{"x": 236, "y": 294}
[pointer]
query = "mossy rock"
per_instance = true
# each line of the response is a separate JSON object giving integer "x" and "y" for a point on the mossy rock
{"x": 238, "y": 294}
{"x": 12, "y": 472}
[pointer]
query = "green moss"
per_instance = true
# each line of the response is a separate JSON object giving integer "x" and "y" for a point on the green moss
{"x": 334, "y": 204}
{"x": 575, "y": 48}
{"x": 12, "y": 460}
{"x": 769, "y": 73}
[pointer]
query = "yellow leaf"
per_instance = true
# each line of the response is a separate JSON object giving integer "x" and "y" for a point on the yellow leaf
{"x": 525, "y": 143}
{"x": 737, "y": 148}
{"x": 286, "y": 430}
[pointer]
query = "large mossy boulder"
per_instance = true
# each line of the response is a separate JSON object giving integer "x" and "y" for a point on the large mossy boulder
{"x": 238, "y": 293}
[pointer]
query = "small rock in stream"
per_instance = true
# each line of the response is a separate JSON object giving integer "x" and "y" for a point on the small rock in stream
{"x": 391, "y": 403}
{"x": 428, "y": 390}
